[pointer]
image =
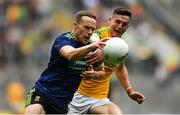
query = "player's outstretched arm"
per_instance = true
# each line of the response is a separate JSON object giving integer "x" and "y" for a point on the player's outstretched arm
{"x": 72, "y": 53}
{"x": 134, "y": 95}
{"x": 123, "y": 78}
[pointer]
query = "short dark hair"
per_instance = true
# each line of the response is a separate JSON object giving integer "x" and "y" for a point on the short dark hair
{"x": 82, "y": 13}
{"x": 122, "y": 11}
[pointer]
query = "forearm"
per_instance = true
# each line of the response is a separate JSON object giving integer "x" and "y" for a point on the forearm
{"x": 122, "y": 75}
{"x": 123, "y": 78}
{"x": 80, "y": 52}
{"x": 74, "y": 53}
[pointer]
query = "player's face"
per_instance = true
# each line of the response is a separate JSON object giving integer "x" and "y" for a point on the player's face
{"x": 84, "y": 29}
{"x": 118, "y": 24}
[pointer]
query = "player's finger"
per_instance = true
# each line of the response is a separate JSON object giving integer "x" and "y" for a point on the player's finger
{"x": 104, "y": 40}
{"x": 140, "y": 101}
{"x": 90, "y": 68}
{"x": 82, "y": 77}
{"x": 141, "y": 97}
{"x": 101, "y": 45}
{"x": 90, "y": 55}
{"x": 92, "y": 61}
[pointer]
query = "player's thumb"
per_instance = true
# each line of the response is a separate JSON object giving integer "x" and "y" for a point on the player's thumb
{"x": 90, "y": 67}
{"x": 104, "y": 40}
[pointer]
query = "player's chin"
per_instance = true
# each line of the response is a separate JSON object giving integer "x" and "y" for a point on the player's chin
{"x": 116, "y": 34}
{"x": 85, "y": 42}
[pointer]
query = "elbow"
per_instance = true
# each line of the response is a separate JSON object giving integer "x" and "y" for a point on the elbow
{"x": 68, "y": 55}
{"x": 70, "y": 58}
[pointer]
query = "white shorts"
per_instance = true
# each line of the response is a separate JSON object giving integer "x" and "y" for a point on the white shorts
{"x": 81, "y": 104}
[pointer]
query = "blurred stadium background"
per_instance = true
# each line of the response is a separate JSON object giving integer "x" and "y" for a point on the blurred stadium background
{"x": 28, "y": 28}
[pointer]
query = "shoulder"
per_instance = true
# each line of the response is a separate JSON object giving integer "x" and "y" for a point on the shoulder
{"x": 67, "y": 36}
{"x": 103, "y": 32}
{"x": 102, "y": 29}
{"x": 62, "y": 40}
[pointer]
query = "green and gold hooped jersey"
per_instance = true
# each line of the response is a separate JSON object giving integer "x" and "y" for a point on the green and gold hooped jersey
{"x": 98, "y": 88}
{"x": 103, "y": 32}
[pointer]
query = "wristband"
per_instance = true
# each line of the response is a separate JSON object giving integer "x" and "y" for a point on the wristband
{"x": 129, "y": 90}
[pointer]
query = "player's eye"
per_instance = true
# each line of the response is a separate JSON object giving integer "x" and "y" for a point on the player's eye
{"x": 118, "y": 21}
{"x": 89, "y": 28}
{"x": 124, "y": 24}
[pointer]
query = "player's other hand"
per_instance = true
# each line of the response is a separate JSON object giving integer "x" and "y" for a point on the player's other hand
{"x": 89, "y": 74}
{"x": 136, "y": 96}
{"x": 95, "y": 57}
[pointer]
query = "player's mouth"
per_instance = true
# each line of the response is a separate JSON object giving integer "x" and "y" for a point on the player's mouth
{"x": 118, "y": 31}
{"x": 86, "y": 39}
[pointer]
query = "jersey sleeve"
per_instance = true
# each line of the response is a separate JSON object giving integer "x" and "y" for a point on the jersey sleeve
{"x": 60, "y": 42}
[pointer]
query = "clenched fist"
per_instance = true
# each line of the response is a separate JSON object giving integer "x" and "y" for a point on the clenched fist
{"x": 136, "y": 96}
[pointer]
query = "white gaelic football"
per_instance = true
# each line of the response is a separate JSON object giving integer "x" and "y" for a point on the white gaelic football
{"x": 115, "y": 51}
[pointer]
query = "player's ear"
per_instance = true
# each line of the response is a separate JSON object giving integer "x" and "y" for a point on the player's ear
{"x": 74, "y": 24}
{"x": 109, "y": 19}
{"x": 127, "y": 27}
